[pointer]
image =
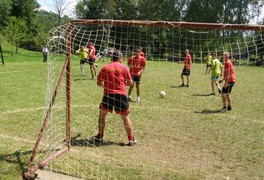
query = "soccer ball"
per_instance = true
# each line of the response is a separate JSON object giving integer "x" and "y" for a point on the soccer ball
{"x": 162, "y": 94}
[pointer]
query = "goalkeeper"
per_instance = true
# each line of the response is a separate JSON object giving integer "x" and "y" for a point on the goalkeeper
{"x": 114, "y": 77}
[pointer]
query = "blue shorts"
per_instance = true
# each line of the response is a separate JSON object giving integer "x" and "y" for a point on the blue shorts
{"x": 214, "y": 77}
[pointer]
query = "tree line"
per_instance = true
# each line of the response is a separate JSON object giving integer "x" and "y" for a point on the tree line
{"x": 23, "y": 24}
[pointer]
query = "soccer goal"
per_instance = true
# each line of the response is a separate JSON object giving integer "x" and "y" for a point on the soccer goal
{"x": 72, "y": 100}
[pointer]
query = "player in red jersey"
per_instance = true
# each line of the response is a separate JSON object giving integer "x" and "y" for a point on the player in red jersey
{"x": 92, "y": 58}
{"x": 186, "y": 69}
{"x": 141, "y": 52}
{"x": 137, "y": 64}
{"x": 229, "y": 79}
{"x": 114, "y": 77}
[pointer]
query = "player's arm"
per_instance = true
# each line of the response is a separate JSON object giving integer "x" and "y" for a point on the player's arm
{"x": 129, "y": 82}
{"x": 100, "y": 81}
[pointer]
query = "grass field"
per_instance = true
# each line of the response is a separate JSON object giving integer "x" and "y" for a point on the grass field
{"x": 182, "y": 136}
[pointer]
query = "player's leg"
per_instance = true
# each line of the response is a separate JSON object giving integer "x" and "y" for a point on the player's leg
{"x": 213, "y": 84}
{"x": 224, "y": 100}
{"x": 122, "y": 108}
{"x": 81, "y": 67}
{"x": 130, "y": 91}
{"x": 129, "y": 129}
{"x": 188, "y": 80}
{"x": 101, "y": 123}
{"x": 138, "y": 91}
{"x": 182, "y": 85}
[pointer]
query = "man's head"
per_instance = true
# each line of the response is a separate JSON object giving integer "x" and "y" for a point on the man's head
{"x": 225, "y": 56}
{"x": 213, "y": 55}
{"x": 116, "y": 56}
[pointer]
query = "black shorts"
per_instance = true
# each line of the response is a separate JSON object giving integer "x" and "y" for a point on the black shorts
{"x": 119, "y": 101}
{"x": 186, "y": 72}
{"x": 83, "y": 61}
{"x": 91, "y": 61}
{"x": 208, "y": 65}
{"x": 228, "y": 89}
{"x": 136, "y": 79}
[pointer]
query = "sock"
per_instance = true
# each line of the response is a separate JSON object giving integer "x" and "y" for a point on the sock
{"x": 131, "y": 137}
{"x": 100, "y": 135}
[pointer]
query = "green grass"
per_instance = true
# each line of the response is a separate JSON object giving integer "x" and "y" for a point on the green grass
{"x": 181, "y": 136}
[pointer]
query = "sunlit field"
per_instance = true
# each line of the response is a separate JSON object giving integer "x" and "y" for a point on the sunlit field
{"x": 181, "y": 136}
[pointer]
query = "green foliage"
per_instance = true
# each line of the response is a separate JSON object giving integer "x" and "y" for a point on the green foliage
{"x": 15, "y": 31}
{"x": 5, "y": 10}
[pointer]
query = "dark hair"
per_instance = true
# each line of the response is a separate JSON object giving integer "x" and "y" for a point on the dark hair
{"x": 116, "y": 56}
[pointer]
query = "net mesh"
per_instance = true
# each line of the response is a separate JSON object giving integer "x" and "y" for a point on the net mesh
{"x": 169, "y": 144}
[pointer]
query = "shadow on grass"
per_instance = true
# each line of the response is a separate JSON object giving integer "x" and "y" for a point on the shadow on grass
{"x": 178, "y": 86}
{"x": 207, "y": 111}
{"x": 203, "y": 94}
{"x": 15, "y": 158}
{"x": 91, "y": 142}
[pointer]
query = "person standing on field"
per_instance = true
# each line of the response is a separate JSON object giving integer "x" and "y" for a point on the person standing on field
{"x": 216, "y": 72}
{"x": 45, "y": 52}
{"x": 229, "y": 79}
{"x": 114, "y": 77}
{"x": 136, "y": 64}
{"x": 208, "y": 60}
{"x": 92, "y": 58}
{"x": 83, "y": 58}
{"x": 186, "y": 69}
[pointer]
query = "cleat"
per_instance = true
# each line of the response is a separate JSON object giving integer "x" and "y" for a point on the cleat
{"x": 224, "y": 109}
{"x": 229, "y": 108}
{"x": 186, "y": 85}
{"x": 182, "y": 85}
{"x": 97, "y": 138}
{"x": 132, "y": 143}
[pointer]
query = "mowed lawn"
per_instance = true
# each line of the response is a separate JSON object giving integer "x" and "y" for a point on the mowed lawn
{"x": 181, "y": 136}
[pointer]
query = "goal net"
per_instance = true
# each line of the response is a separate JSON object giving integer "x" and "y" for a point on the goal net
{"x": 171, "y": 142}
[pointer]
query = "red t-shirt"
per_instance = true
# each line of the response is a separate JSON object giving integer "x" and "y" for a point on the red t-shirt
{"x": 114, "y": 75}
{"x": 136, "y": 65}
{"x": 92, "y": 52}
{"x": 187, "y": 61}
{"x": 229, "y": 72}
{"x": 142, "y": 54}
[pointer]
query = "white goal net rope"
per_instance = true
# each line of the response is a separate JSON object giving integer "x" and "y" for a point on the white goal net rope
{"x": 158, "y": 122}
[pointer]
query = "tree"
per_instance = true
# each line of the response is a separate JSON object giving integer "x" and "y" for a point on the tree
{"x": 5, "y": 11}
{"x": 167, "y": 10}
{"x": 60, "y": 6}
{"x": 15, "y": 32}
{"x": 222, "y": 11}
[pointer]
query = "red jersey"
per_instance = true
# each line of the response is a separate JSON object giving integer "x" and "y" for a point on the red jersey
{"x": 92, "y": 52}
{"x": 229, "y": 72}
{"x": 114, "y": 76}
{"x": 142, "y": 54}
{"x": 188, "y": 61}
{"x": 136, "y": 65}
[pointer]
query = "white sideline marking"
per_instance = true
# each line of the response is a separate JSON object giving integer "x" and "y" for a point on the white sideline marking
{"x": 48, "y": 175}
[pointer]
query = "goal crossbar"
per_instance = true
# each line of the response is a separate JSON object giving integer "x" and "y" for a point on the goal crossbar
{"x": 187, "y": 25}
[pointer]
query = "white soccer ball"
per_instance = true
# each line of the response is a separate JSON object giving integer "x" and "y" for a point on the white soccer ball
{"x": 162, "y": 94}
